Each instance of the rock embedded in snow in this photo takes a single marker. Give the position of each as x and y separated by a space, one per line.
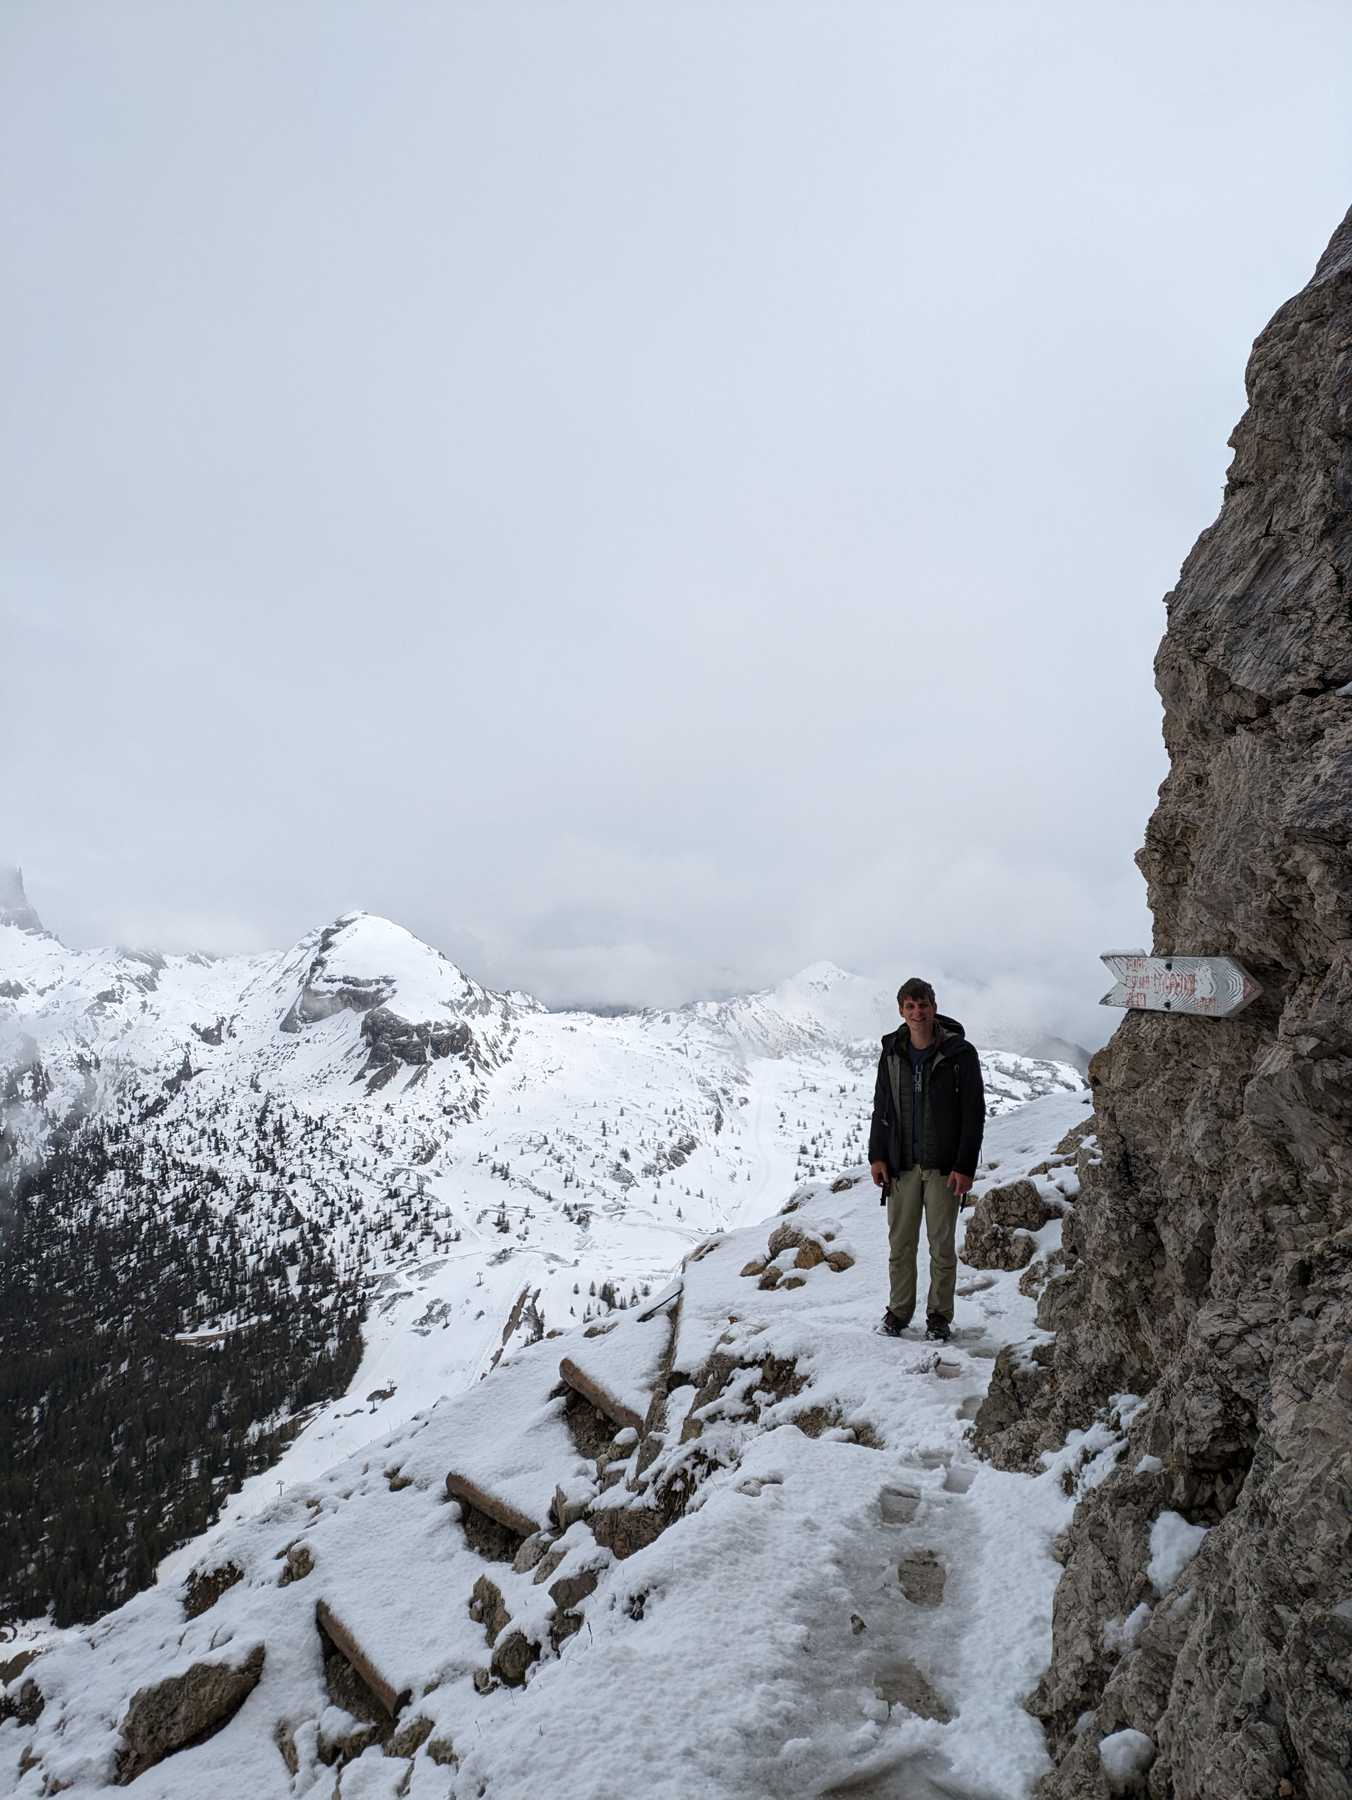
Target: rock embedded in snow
999 1231
184 1709
488 1608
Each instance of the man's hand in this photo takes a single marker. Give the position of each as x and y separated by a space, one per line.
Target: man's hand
878 1171
961 1186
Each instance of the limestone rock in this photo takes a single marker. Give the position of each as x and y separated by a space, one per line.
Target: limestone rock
203 1589
1001 1219
182 1710
26 1703
532 1552
11 1667
410 1737
569 1591
392 1041
512 1657
551 1560
1209 1256
626 1529
300 1562
488 1608
1012 1426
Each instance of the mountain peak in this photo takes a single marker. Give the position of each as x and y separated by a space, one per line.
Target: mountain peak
14 904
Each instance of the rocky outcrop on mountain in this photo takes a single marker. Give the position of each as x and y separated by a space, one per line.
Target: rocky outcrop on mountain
14 904
1203 1625
393 1041
331 986
415 1004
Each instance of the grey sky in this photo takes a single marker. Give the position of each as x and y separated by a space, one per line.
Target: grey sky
647 495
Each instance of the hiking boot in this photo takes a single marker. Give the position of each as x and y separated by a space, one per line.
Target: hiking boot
936 1327
891 1325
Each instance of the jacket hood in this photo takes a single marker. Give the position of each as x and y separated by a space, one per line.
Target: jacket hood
950 1037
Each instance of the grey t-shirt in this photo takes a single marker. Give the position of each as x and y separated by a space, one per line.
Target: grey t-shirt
918 1059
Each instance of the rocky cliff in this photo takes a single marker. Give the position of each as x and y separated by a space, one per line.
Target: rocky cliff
1203 1625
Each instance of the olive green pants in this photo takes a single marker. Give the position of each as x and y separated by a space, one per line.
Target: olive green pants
922 1191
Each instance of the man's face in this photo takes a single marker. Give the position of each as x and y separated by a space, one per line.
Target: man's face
917 1012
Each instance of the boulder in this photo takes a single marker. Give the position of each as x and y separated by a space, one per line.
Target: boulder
569 1591
998 1231
183 1710
203 1588
488 1608
512 1656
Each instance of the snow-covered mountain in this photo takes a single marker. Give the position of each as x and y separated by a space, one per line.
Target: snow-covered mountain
487 1171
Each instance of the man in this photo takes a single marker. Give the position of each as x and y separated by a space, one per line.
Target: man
929 1111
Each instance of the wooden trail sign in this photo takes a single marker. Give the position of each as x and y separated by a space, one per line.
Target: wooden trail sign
1212 987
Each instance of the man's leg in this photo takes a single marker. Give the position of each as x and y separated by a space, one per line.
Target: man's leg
941 1224
905 1203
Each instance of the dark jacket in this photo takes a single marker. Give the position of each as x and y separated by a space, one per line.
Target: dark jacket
952 1098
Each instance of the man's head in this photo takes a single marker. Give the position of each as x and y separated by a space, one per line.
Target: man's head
916 1002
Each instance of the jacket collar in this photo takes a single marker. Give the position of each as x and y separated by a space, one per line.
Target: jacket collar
948 1037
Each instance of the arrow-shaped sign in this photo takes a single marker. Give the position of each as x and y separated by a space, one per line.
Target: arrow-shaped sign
1212 987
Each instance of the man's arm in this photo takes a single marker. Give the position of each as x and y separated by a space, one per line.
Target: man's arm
877 1134
972 1101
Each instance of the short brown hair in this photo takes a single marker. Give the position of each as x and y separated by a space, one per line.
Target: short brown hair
916 989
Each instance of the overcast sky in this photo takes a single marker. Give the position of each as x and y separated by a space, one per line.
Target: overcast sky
647 495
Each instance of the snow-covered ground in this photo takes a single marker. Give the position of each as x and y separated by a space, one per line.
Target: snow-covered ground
794 1580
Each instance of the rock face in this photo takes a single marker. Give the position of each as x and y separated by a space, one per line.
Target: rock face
1210 1267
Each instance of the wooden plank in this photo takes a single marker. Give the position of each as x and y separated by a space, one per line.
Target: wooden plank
601 1398
1207 987
346 1645
460 1487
